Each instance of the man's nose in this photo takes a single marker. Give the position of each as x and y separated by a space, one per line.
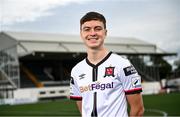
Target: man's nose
93 32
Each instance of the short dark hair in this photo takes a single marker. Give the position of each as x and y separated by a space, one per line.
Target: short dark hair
93 16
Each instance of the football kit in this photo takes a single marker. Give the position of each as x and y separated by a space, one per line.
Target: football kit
103 87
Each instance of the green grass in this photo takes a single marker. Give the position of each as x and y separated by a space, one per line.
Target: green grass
63 107
168 103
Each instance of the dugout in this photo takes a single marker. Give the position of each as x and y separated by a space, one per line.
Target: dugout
45 60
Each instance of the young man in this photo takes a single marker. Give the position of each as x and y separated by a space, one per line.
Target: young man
104 82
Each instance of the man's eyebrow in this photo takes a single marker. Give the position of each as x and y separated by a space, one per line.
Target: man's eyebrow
98 27
91 27
86 27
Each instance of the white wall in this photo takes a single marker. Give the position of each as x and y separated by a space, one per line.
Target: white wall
151 88
32 95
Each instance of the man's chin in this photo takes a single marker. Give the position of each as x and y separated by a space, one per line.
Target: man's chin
94 47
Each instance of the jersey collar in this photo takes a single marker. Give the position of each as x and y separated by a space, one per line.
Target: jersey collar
102 61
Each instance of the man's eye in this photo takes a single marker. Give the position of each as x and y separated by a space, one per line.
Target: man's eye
98 29
86 29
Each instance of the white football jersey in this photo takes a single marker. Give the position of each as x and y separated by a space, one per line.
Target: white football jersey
103 87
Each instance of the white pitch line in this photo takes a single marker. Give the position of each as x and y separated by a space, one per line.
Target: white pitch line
158 111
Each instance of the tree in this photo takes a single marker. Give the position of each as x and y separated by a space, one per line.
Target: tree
177 70
165 68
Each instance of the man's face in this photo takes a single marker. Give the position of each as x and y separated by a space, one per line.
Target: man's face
93 34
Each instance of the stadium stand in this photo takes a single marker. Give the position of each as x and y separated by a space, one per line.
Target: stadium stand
31 60
148 73
31 76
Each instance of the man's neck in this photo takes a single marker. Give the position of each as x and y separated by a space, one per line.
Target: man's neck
95 56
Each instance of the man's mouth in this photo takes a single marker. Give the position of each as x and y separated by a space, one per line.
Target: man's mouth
92 38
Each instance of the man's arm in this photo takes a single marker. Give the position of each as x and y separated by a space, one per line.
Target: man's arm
79 105
136 104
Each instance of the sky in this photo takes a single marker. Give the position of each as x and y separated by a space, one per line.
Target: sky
154 21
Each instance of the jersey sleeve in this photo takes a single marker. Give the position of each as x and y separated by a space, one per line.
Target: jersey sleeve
130 79
74 90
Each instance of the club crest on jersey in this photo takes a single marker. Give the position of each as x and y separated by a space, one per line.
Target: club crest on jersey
109 71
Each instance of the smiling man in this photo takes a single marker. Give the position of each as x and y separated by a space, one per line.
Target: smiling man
104 82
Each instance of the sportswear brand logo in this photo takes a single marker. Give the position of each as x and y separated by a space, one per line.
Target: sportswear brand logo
109 71
96 86
82 76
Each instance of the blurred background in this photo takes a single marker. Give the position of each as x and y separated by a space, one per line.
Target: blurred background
40 43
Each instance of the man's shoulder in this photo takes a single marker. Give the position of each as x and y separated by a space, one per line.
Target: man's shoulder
119 57
79 65
120 60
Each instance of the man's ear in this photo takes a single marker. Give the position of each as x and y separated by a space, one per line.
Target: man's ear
81 34
106 32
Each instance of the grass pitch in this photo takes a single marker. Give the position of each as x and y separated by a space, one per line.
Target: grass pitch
168 103
155 105
62 107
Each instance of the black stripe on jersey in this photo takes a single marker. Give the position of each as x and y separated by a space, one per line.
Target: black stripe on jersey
76 98
94 72
94 112
133 92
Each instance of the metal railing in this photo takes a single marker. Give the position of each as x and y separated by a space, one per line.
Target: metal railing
9 71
